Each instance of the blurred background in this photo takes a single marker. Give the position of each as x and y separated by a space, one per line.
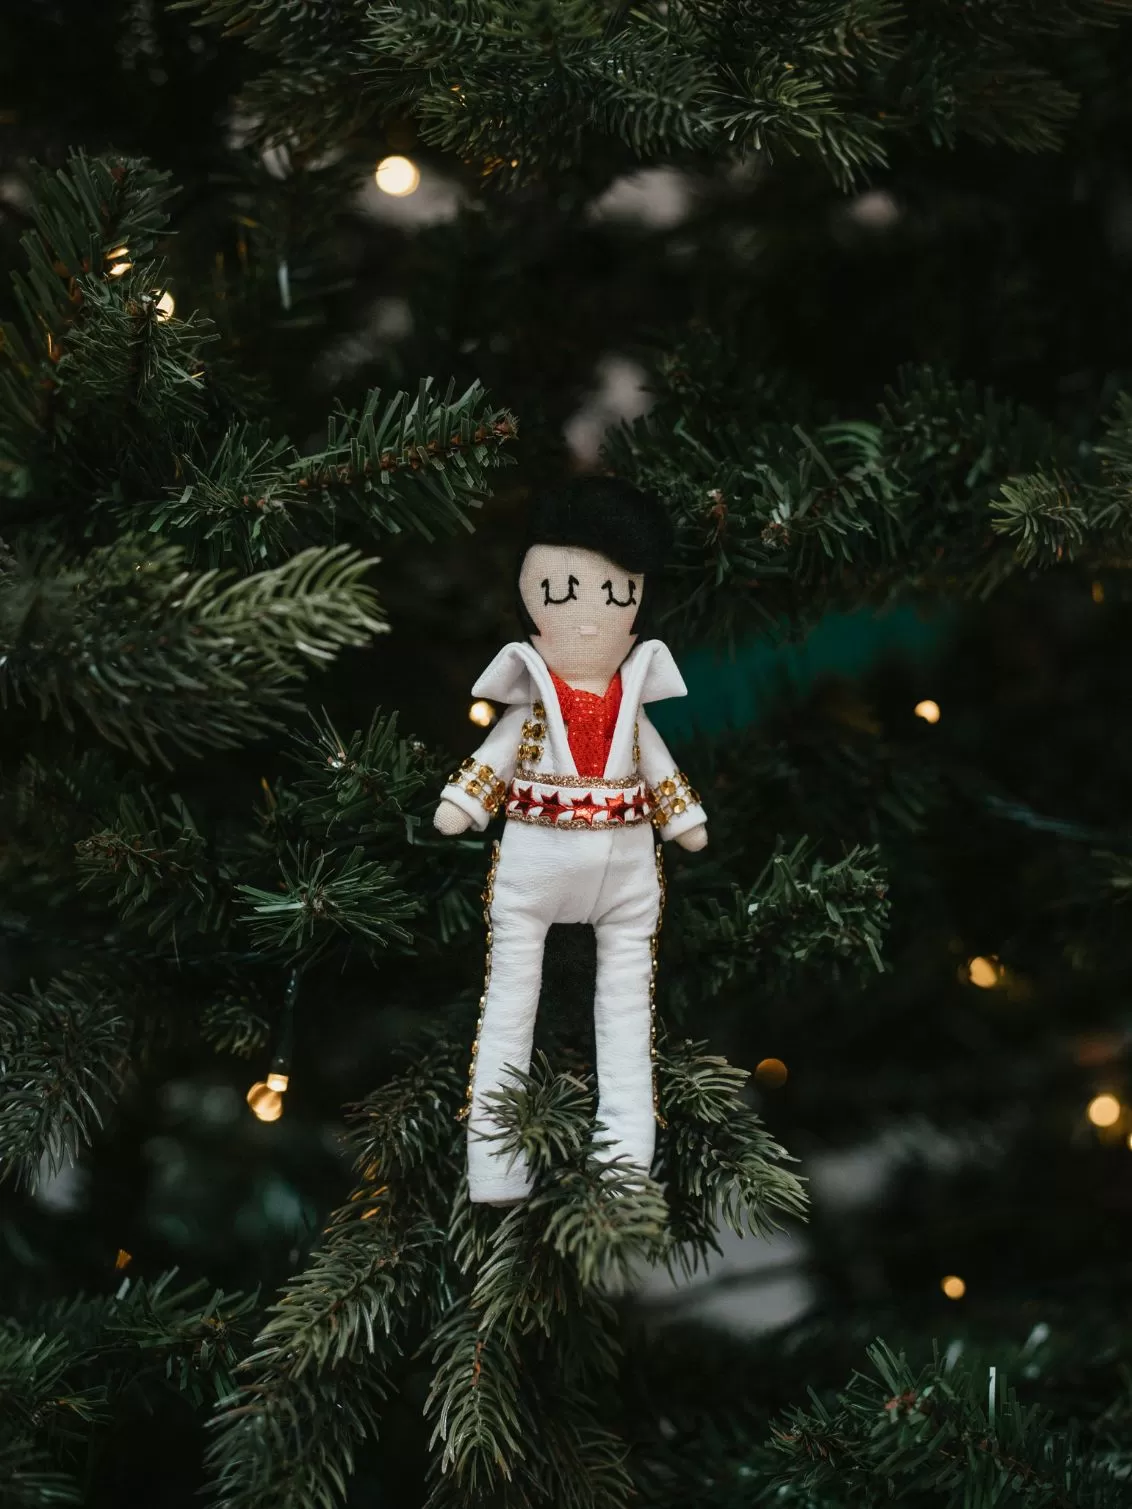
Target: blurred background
964 1116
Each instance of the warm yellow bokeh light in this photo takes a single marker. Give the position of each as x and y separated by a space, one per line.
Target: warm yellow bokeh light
984 971
1098 592
118 269
772 1072
165 306
928 710
124 1259
953 1286
1104 1110
267 1104
482 714
397 176
278 1082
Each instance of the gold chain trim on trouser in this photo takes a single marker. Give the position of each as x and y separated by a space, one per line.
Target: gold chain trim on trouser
654 946
488 894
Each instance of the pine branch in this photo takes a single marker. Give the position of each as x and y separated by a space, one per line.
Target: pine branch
781 521
152 655
940 1431
800 909
716 1157
397 465
524 89
63 1062
156 868
63 1373
410 464
324 896
319 1372
96 369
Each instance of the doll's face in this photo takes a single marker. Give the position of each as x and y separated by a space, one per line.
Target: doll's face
583 607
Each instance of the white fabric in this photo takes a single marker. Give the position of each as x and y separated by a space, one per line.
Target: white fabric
519 676
606 878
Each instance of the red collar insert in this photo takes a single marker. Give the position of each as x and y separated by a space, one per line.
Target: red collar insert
590 721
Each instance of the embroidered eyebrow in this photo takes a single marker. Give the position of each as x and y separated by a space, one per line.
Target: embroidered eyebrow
571 583
616 602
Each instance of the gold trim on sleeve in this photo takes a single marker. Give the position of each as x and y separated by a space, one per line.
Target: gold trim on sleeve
671 797
481 782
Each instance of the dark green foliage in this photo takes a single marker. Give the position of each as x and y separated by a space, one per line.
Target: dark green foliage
883 335
64 1055
60 1384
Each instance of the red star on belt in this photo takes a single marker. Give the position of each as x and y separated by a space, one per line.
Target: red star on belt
583 809
551 805
617 807
524 799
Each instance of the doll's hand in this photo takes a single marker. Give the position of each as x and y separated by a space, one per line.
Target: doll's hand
695 838
450 819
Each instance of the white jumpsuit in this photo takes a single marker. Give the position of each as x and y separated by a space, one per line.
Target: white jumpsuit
556 865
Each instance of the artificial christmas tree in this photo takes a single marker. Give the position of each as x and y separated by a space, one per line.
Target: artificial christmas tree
266 442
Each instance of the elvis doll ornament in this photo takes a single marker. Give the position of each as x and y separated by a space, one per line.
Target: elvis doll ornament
585 783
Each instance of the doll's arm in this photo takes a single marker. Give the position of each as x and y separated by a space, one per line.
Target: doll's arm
678 809
481 782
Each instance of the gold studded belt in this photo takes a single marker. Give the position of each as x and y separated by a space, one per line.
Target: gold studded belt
556 801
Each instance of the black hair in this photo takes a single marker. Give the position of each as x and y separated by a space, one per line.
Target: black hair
610 516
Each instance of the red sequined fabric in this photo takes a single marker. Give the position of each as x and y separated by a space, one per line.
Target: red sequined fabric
590 721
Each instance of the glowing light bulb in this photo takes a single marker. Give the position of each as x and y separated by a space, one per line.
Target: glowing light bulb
953 1286
124 1259
118 269
278 1082
771 1072
397 176
165 306
267 1104
1104 1110
119 251
482 714
984 971
928 710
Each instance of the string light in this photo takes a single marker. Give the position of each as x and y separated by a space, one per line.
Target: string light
953 1286
278 1082
1098 592
928 710
1104 1110
984 971
124 1259
771 1072
266 1104
397 176
118 269
165 306
482 714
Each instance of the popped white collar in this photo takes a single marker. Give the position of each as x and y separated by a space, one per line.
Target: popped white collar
519 674
648 674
